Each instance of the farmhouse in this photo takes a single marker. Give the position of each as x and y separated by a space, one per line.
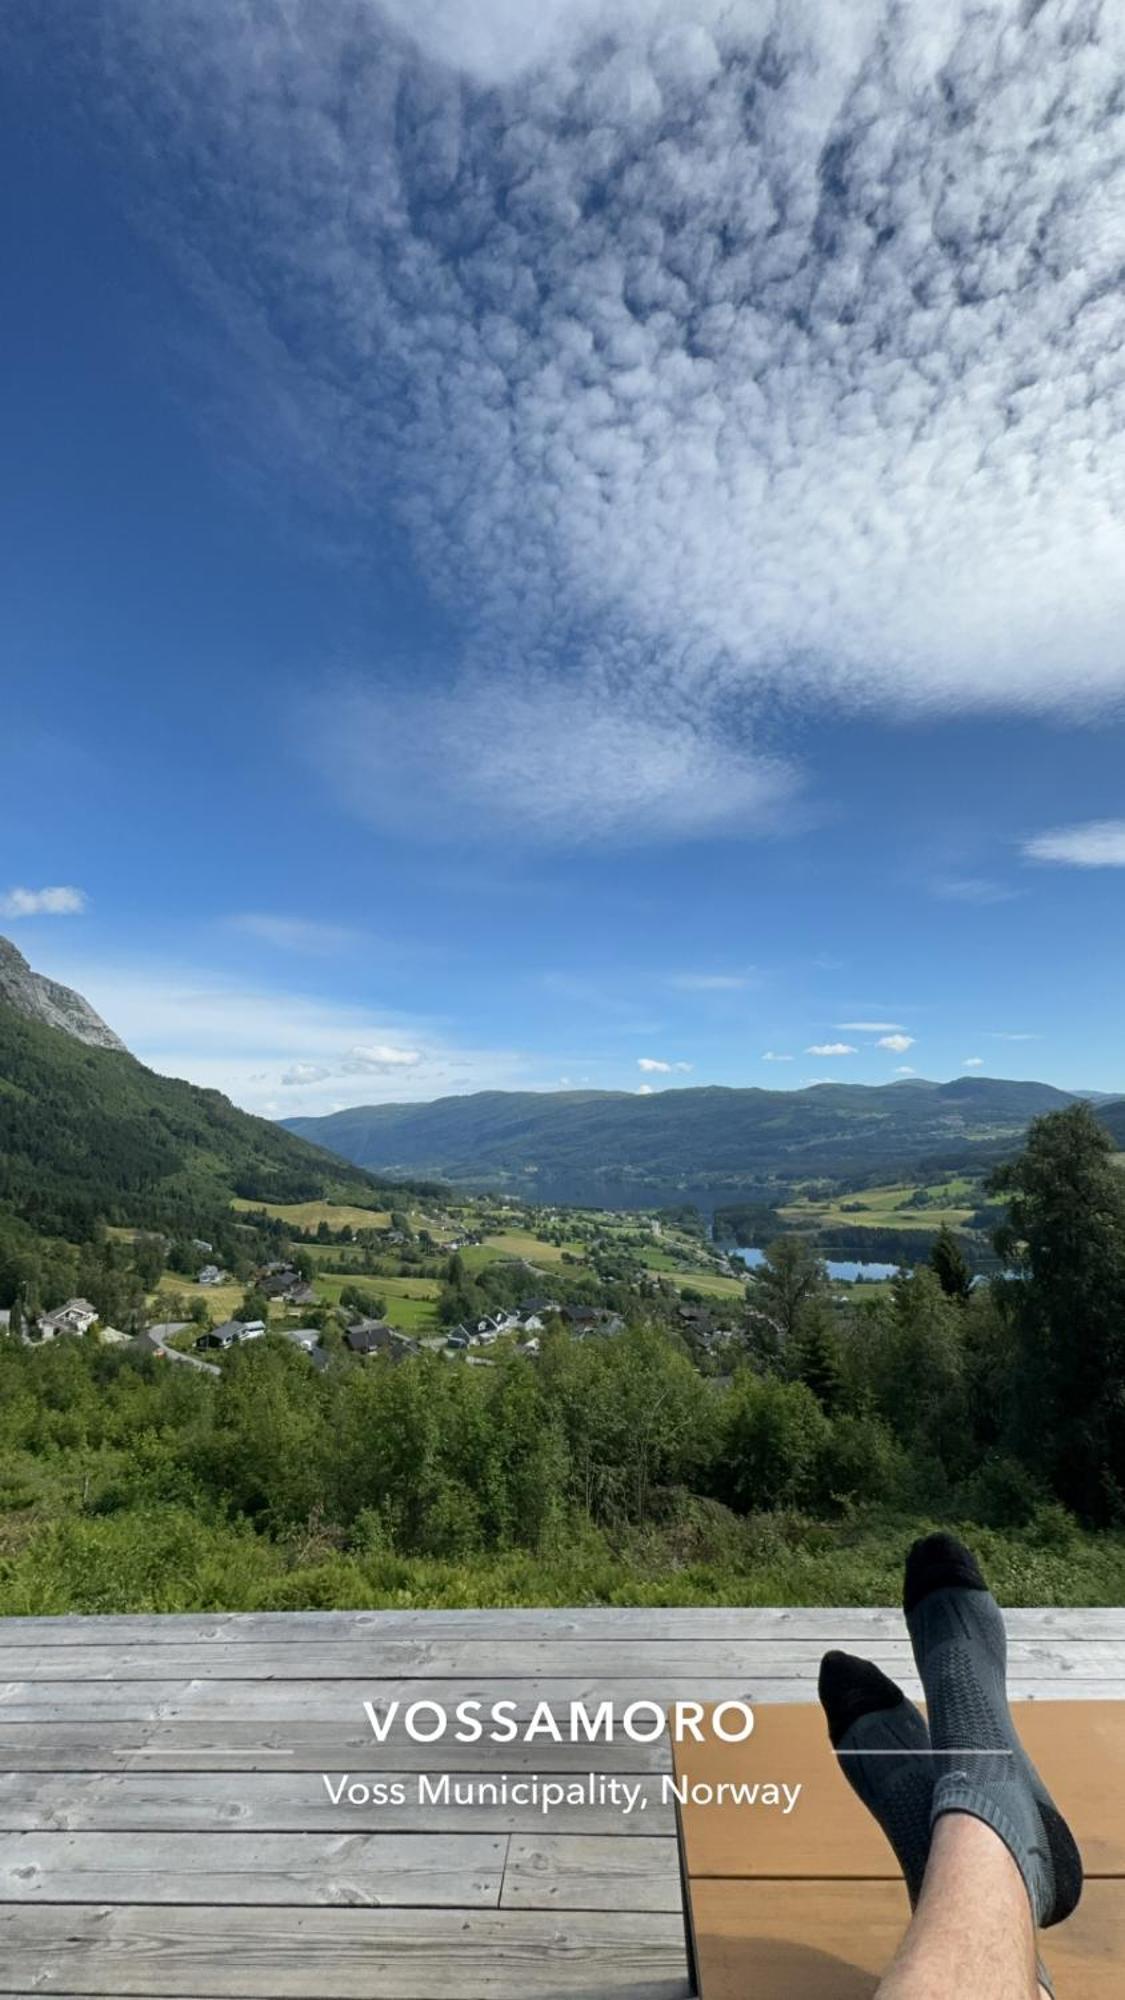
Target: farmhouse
77 1316
232 1333
221 1337
376 1337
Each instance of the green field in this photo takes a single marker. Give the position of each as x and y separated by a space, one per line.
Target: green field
221 1301
887 1208
409 1303
310 1214
518 1243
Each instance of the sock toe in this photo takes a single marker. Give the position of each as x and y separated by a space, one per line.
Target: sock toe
850 1688
939 1562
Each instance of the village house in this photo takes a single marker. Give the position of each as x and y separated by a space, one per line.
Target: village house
232 1333
212 1275
220 1337
77 1316
376 1337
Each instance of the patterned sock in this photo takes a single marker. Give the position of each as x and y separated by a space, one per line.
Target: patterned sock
877 1735
957 1632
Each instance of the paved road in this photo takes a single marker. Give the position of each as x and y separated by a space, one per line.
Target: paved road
158 1338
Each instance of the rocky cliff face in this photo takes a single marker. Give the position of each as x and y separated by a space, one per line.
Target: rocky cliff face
39 999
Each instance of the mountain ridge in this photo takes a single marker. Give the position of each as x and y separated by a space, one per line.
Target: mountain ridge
88 1133
37 998
750 1136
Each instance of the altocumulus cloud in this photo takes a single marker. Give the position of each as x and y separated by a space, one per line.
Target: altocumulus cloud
716 359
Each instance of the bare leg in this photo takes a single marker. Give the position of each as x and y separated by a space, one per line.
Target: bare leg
973 1934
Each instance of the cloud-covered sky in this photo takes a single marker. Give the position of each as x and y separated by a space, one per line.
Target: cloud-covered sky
546 533
718 362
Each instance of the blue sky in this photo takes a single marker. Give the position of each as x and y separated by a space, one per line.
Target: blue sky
591 553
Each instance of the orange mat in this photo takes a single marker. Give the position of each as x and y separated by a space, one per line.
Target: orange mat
794 1894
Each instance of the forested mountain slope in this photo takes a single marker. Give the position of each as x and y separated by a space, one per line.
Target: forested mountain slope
837 1130
88 1131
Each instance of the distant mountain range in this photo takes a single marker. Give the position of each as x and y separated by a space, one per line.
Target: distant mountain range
694 1139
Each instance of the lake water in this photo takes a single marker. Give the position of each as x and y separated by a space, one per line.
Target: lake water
846 1273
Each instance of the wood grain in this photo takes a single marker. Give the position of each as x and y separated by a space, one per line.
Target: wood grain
347 1870
822 1625
227 1954
833 1940
562 1872
1078 1746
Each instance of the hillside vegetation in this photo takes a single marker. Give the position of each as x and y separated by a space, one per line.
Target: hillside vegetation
89 1133
737 1138
611 1469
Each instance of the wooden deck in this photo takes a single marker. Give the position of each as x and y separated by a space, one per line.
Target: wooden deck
166 1828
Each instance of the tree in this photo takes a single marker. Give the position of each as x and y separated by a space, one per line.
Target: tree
950 1265
775 1435
1066 1236
784 1288
255 1305
817 1358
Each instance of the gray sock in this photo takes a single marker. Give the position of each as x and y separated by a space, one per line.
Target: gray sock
877 1735
957 1632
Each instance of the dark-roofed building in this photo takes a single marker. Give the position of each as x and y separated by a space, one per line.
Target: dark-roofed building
376 1337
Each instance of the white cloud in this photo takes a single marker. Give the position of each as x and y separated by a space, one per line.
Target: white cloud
1098 844
774 1055
654 1066
716 362
904 1069
871 1027
297 934
711 982
574 762
300 1073
978 889
60 902
383 1056
973 1062
831 1049
1002 1035
644 1090
285 1050
898 1043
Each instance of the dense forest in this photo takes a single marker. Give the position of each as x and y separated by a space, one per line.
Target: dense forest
613 1468
753 1142
89 1133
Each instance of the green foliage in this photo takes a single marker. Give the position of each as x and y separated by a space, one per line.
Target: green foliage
611 1467
950 1265
1067 1230
775 1439
88 1135
748 1141
786 1288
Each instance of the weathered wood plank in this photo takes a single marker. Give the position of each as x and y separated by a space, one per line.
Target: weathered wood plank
269 1802
225 1954
821 1625
342 1701
299 1744
567 1872
349 1870
473 1659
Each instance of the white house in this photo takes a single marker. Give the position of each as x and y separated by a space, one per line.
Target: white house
77 1316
